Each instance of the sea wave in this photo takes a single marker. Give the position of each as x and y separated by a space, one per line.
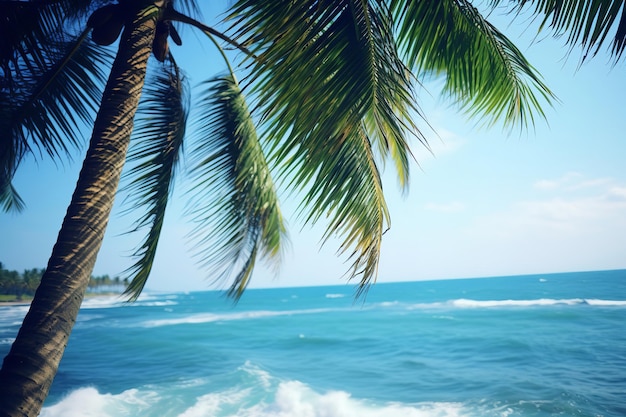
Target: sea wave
113 301
259 399
619 303
294 398
102 301
244 315
465 303
335 295
156 303
88 402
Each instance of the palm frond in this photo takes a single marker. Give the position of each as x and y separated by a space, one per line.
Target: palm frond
483 69
389 115
344 189
337 98
30 28
10 200
158 141
234 202
189 7
45 105
588 23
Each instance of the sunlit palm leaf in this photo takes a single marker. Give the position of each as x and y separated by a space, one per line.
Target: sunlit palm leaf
483 69
331 86
161 122
345 190
588 23
234 202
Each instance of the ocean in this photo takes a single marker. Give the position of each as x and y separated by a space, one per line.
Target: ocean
535 345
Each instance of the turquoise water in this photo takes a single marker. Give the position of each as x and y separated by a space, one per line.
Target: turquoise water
540 345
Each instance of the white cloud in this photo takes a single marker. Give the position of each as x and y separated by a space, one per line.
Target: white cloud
594 183
603 204
573 181
616 193
568 232
440 142
551 184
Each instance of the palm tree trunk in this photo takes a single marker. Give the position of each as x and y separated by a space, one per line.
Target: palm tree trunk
29 368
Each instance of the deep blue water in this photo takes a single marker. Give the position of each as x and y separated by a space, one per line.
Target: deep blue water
540 345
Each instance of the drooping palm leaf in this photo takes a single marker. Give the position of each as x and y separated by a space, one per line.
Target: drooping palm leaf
588 23
10 199
234 204
44 106
345 190
158 141
337 98
30 30
483 69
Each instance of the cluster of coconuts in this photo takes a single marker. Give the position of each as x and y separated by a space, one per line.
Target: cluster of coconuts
107 23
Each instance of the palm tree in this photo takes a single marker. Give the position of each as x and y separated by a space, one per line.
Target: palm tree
330 99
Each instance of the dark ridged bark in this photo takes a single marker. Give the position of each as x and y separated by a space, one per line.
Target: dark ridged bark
29 368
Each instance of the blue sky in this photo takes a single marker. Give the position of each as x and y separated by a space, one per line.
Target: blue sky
488 203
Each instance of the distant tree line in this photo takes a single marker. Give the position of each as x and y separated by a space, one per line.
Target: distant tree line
24 284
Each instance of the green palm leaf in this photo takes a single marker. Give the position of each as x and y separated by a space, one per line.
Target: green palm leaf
587 23
29 29
483 69
345 190
44 106
234 202
336 98
10 199
161 122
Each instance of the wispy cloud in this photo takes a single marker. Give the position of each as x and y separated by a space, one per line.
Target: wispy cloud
552 184
564 208
573 181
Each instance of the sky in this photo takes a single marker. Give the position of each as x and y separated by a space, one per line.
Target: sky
486 202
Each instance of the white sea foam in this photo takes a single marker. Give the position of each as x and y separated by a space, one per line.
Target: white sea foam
335 295
618 303
88 317
12 315
465 303
88 402
389 303
293 398
250 392
114 301
212 404
265 399
102 302
245 315
546 302
156 303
